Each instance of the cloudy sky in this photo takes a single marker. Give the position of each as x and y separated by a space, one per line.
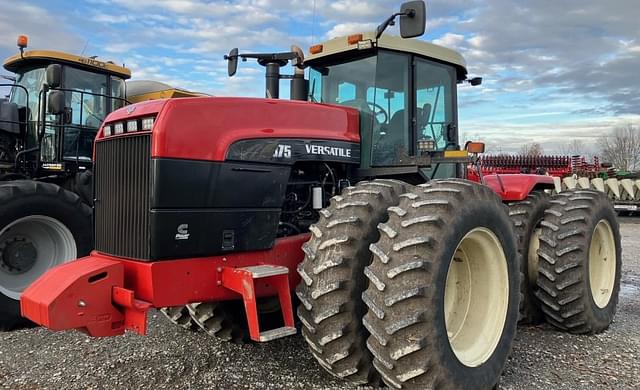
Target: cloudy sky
554 71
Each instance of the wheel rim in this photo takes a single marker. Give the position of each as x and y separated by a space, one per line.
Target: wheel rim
602 264
532 263
476 297
28 247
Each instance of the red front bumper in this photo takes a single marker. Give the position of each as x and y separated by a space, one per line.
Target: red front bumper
103 296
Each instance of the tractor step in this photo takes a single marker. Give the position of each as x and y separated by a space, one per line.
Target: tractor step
242 281
277 333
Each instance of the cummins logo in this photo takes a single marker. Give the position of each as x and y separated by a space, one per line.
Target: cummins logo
183 232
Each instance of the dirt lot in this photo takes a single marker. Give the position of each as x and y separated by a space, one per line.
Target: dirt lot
172 358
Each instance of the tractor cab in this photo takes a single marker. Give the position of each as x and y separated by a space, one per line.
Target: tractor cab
404 89
54 108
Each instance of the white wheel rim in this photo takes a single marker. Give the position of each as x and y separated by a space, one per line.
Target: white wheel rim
602 264
53 244
532 263
476 297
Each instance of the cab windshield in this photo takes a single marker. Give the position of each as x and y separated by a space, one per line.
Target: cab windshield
400 105
31 81
86 95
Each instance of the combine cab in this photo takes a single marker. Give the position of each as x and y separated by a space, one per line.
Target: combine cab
406 272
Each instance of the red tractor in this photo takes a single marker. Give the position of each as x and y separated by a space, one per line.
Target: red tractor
404 271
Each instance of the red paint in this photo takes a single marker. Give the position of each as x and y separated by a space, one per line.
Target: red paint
515 187
243 283
119 301
203 128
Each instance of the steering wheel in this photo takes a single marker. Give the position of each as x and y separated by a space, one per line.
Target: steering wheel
377 111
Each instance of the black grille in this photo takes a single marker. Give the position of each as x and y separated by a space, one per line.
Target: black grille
122 196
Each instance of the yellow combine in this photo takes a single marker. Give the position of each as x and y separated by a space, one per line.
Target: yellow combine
55 106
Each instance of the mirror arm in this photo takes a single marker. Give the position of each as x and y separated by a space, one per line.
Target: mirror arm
391 21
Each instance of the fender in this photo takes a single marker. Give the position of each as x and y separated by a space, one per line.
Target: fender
516 187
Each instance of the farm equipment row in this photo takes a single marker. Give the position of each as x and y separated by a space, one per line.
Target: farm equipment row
570 173
356 198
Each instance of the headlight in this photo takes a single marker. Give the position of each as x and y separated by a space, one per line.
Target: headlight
147 123
132 126
107 130
118 128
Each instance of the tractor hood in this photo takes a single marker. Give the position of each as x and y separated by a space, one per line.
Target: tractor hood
182 126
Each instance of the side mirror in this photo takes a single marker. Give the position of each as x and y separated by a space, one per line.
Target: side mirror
475 147
54 75
413 19
55 102
232 66
475 81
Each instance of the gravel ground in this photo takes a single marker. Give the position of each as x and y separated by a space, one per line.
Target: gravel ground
169 357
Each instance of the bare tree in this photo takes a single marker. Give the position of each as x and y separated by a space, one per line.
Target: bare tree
574 148
531 149
622 147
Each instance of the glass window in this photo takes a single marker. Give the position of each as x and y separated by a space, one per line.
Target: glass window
377 86
389 100
118 92
88 109
435 84
32 80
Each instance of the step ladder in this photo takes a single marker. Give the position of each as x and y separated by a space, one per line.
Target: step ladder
241 280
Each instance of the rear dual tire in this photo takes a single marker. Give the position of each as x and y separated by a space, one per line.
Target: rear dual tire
579 262
444 289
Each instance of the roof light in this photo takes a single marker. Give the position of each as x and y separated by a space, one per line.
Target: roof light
147 123
315 49
107 130
23 40
132 126
353 39
118 128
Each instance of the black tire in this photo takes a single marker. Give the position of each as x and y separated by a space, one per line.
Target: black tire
409 273
179 315
23 198
228 320
224 320
333 279
564 282
526 216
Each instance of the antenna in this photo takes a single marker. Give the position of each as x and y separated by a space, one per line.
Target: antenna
86 43
313 23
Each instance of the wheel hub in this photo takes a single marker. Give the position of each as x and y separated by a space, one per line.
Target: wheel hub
476 297
18 255
602 264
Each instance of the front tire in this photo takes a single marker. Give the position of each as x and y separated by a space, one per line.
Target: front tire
580 262
333 278
41 225
444 292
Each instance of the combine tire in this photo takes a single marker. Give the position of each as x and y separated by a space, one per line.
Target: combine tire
580 262
179 315
41 225
333 279
526 216
444 289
